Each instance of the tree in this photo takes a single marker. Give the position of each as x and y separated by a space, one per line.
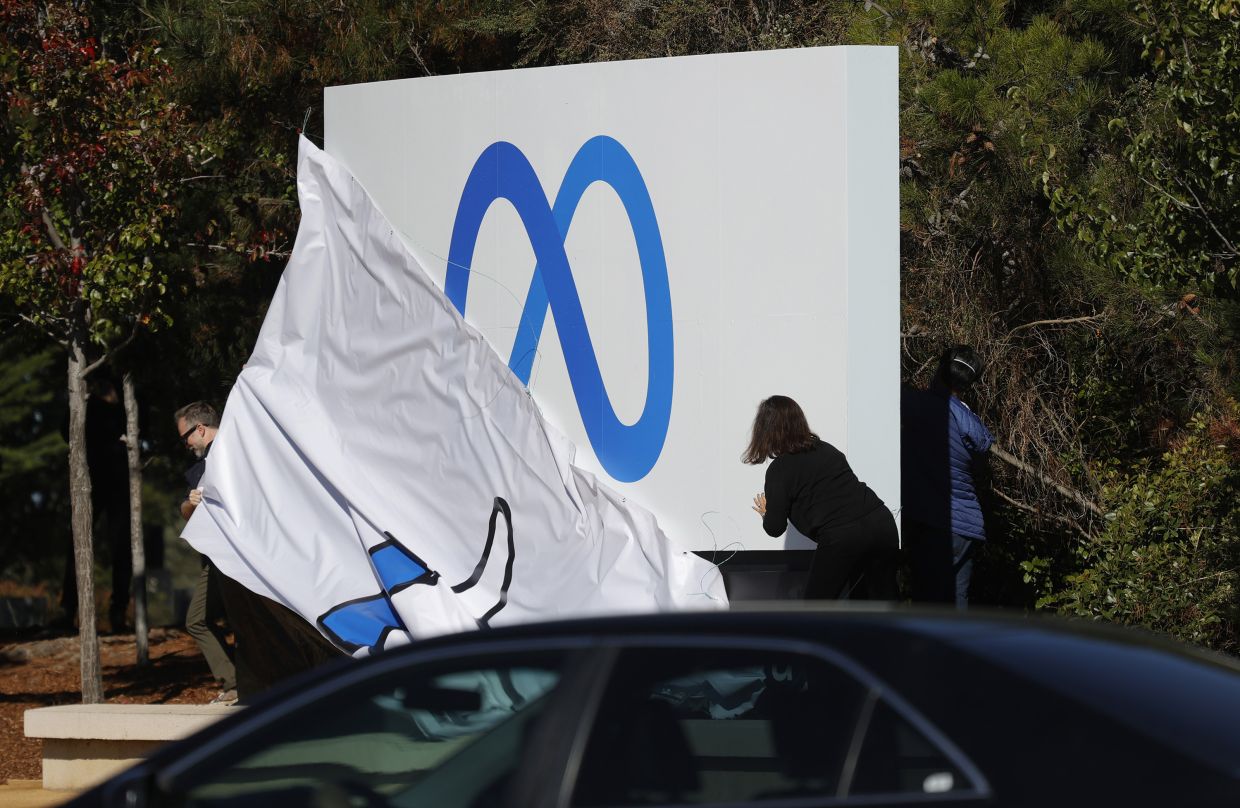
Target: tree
1162 203
95 151
137 545
253 71
1095 370
1169 558
550 32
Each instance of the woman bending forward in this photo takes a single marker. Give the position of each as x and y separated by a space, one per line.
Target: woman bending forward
810 484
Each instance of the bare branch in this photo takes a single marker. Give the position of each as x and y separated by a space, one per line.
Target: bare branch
1030 509
1179 202
52 232
1075 496
416 51
1061 321
49 333
1202 210
870 4
112 352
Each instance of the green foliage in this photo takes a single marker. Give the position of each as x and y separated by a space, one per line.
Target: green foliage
1169 558
254 71
1143 370
257 70
551 32
1006 112
1161 203
94 150
968 23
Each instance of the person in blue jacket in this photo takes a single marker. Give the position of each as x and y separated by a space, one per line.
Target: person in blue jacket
943 450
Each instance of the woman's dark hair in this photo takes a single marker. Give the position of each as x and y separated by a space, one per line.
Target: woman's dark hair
959 367
779 428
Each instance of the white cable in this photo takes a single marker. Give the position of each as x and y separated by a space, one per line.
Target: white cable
716 566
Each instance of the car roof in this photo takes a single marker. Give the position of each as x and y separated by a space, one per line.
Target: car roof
809 618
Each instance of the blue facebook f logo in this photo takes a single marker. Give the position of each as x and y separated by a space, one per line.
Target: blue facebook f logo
366 622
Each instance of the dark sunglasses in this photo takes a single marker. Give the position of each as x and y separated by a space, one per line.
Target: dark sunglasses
185 435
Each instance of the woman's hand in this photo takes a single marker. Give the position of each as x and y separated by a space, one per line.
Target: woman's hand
759 504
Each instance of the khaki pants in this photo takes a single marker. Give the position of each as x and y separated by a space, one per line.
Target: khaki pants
205 608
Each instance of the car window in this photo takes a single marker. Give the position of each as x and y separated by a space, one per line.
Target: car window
710 726
897 758
450 736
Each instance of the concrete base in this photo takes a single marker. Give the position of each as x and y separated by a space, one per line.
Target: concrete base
73 763
31 794
85 744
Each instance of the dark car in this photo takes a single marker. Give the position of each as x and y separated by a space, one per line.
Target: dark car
780 708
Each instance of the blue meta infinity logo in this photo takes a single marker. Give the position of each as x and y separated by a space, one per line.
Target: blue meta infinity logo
626 451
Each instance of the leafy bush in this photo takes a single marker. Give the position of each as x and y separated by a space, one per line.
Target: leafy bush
1169 559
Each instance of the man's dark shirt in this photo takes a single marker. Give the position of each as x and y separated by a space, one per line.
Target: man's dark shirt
193 475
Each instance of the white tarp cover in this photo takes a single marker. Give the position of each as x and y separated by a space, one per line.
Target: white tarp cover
381 471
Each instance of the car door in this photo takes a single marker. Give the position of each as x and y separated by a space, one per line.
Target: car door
750 721
453 729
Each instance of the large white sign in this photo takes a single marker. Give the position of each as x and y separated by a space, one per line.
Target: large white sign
656 246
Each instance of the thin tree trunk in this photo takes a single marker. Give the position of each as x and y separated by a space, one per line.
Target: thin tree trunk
135 519
83 523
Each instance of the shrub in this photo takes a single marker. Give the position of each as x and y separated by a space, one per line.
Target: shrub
1169 559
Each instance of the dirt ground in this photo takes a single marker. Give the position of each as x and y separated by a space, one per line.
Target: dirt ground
41 670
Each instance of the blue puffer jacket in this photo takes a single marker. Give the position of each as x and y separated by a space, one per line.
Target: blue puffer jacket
937 479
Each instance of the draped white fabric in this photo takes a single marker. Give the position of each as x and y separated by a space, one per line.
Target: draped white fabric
382 472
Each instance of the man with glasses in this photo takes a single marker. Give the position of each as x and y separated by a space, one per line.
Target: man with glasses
271 642
197 424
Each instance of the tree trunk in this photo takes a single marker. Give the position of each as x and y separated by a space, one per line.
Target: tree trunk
83 523
135 519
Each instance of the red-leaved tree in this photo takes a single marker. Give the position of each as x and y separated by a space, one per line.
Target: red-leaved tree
95 154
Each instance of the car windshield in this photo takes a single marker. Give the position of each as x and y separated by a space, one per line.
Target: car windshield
446 739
